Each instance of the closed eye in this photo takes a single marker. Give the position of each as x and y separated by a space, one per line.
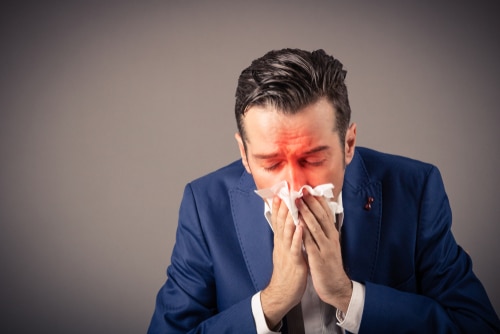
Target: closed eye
272 167
313 162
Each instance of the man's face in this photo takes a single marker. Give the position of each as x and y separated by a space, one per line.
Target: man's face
301 148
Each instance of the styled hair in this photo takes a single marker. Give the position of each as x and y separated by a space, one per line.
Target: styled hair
291 79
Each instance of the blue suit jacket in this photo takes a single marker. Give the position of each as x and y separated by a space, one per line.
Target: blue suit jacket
417 278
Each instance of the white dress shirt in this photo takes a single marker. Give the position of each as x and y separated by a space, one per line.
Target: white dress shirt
318 316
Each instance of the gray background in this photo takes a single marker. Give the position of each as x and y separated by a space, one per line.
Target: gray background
107 109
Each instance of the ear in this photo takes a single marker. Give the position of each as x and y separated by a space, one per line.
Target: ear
350 143
243 153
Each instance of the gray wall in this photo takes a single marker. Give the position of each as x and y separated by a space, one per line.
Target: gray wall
107 110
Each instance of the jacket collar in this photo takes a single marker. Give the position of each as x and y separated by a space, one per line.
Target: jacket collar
254 233
362 199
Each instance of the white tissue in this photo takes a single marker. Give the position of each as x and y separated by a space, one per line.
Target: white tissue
281 190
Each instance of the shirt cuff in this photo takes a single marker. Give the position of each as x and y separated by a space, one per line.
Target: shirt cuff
352 319
258 316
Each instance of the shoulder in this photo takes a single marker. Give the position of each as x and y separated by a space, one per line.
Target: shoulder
375 166
376 161
222 180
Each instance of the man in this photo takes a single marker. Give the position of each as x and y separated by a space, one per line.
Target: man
381 259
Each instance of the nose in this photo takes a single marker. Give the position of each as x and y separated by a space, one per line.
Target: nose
296 178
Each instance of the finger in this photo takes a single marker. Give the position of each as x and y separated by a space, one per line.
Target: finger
296 245
312 223
328 224
280 212
274 213
288 230
319 207
310 244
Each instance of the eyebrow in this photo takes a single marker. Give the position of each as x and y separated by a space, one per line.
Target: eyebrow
265 156
317 149
274 155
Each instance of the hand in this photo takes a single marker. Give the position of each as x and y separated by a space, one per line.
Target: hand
322 243
289 277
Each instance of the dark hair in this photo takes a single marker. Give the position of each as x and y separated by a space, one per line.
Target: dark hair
291 79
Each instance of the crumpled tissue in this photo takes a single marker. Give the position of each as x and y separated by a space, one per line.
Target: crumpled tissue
282 191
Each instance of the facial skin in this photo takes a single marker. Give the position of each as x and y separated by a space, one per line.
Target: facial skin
302 148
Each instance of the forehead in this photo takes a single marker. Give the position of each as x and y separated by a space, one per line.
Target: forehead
266 127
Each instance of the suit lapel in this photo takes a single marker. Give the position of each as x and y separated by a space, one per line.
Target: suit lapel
254 234
361 228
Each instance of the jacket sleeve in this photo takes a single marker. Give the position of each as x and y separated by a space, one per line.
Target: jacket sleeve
187 302
449 298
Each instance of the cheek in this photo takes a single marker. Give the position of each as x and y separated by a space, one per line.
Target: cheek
334 174
337 178
322 177
265 180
